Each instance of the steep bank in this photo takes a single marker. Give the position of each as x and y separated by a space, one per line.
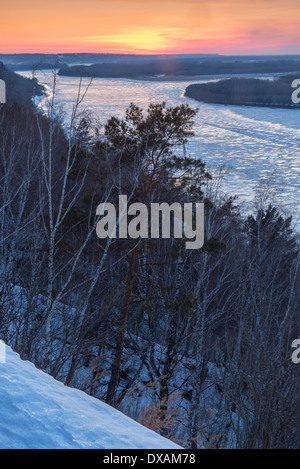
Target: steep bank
19 89
38 412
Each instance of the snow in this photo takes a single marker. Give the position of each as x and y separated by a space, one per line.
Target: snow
39 412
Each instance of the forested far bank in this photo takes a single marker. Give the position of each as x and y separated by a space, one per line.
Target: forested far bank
182 67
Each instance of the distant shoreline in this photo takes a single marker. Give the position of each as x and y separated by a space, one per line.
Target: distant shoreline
206 77
182 70
182 78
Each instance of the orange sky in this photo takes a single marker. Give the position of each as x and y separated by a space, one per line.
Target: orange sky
156 26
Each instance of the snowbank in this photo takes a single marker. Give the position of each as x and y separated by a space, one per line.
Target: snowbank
38 412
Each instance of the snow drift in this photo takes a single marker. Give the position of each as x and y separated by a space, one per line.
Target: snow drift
39 412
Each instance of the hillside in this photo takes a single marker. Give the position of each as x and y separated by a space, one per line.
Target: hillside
18 88
38 412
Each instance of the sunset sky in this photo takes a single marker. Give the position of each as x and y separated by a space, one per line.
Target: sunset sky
156 26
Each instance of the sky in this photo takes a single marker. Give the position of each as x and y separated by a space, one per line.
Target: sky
151 26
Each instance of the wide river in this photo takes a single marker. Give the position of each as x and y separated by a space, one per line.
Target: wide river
258 147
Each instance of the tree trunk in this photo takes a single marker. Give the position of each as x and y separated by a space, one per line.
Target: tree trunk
116 365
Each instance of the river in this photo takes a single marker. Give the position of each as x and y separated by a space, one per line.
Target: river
257 146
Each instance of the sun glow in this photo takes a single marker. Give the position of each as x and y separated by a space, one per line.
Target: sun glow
145 39
151 26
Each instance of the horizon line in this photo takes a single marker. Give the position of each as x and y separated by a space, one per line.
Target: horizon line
153 54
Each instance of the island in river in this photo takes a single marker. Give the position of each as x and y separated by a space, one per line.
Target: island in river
249 91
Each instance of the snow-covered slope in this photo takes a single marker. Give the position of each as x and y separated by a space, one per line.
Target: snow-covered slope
36 411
